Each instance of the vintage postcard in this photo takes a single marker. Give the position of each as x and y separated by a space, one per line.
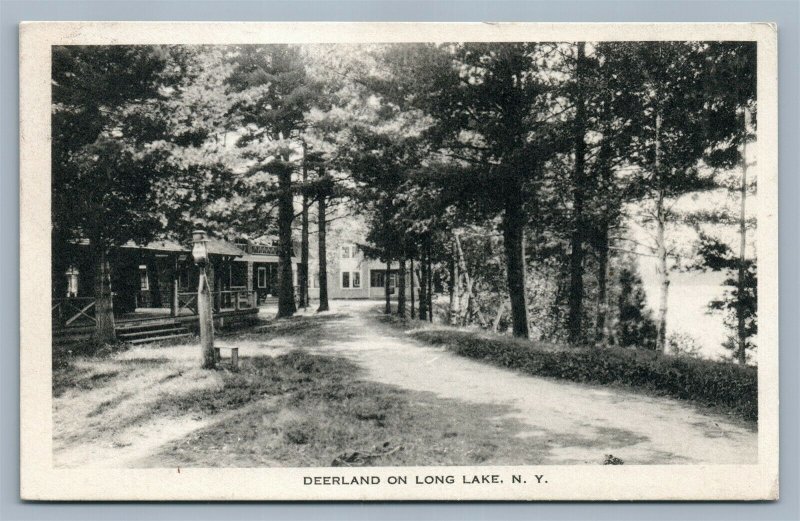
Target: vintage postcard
398 261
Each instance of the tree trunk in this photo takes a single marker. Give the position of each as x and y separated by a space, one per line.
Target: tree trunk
663 277
401 289
661 247
430 283
302 275
323 255
575 318
500 309
466 296
104 305
423 287
387 288
609 213
411 286
741 352
602 285
286 303
453 284
514 246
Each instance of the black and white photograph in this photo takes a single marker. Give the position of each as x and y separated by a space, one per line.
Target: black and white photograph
434 269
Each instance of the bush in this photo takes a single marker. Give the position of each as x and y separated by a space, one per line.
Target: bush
717 384
682 344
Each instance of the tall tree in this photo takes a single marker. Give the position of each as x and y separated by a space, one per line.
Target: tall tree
731 83
493 112
302 275
108 121
673 138
273 92
578 200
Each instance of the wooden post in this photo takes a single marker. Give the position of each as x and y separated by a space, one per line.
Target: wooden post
206 322
235 358
386 288
204 306
174 305
411 273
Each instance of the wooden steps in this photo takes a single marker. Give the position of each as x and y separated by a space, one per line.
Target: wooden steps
151 330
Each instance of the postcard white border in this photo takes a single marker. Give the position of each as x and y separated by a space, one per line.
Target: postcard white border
40 480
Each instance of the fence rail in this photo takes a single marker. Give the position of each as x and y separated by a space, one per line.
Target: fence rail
261 249
66 311
226 300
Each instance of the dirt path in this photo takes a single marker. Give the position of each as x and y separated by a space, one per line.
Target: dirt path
581 423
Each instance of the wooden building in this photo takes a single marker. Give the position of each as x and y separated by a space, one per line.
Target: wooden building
353 276
160 278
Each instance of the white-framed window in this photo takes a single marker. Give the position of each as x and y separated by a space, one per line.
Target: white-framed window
348 251
351 279
262 277
144 281
72 281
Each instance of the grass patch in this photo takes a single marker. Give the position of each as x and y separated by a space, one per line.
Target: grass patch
727 387
321 414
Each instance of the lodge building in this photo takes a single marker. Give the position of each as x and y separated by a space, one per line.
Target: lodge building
160 278
351 275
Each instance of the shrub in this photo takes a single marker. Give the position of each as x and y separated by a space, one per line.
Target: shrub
682 344
717 384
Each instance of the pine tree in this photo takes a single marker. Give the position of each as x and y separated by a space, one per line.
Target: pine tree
273 92
108 122
635 326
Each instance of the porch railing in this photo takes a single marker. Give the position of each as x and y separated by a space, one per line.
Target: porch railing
66 311
225 300
261 249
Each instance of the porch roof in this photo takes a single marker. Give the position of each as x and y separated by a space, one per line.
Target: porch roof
215 247
221 247
162 245
274 259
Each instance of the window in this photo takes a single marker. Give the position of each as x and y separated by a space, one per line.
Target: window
183 277
351 279
348 251
144 283
313 282
376 279
72 281
262 277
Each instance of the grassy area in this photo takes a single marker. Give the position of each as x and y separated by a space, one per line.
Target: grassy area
284 407
321 414
723 386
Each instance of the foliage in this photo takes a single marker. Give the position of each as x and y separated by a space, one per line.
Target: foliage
682 344
715 255
107 126
540 156
635 326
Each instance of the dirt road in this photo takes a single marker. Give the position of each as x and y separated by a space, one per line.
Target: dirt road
581 423
123 411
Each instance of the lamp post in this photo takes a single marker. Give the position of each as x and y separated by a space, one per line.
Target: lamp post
200 254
